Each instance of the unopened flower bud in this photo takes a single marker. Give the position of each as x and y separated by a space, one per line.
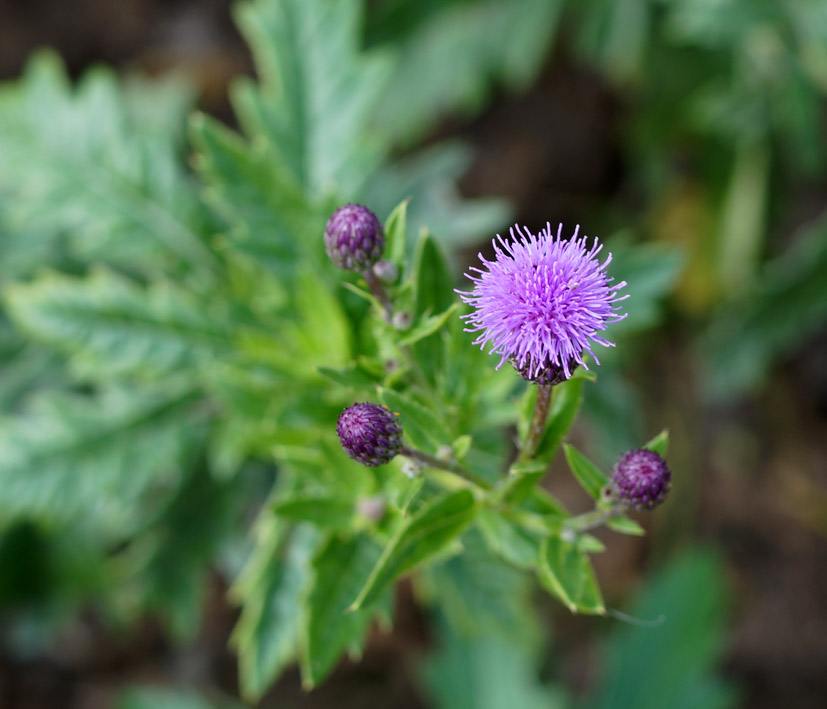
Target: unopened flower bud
402 320
640 479
371 434
386 271
354 238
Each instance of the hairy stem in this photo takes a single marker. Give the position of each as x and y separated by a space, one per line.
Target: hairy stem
538 423
431 461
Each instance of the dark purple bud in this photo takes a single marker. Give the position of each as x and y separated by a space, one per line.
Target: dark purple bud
548 373
354 238
640 479
370 433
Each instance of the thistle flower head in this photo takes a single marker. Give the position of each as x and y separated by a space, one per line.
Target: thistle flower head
542 302
640 479
354 238
371 434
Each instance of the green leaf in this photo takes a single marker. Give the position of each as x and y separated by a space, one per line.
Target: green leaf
396 233
83 162
461 446
420 425
422 537
339 570
590 477
479 594
432 278
427 326
509 541
168 561
90 461
787 303
568 574
270 590
683 651
270 220
659 444
112 327
316 91
476 40
624 525
408 493
324 512
352 376
487 671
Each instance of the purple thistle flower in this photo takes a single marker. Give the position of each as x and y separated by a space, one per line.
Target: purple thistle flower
371 434
640 479
542 303
354 238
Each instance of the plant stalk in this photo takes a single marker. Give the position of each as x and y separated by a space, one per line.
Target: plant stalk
538 424
450 466
378 290
595 518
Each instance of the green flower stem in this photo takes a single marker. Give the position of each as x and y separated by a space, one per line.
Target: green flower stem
596 518
538 424
379 292
431 461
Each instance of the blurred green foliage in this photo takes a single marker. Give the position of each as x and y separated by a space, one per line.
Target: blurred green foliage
172 333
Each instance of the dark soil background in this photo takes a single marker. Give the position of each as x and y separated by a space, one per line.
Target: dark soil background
757 469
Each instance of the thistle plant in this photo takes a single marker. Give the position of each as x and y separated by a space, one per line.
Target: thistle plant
541 304
191 357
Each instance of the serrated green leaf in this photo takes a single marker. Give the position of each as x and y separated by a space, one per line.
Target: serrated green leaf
659 444
568 574
89 460
270 589
316 91
339 571
423 536
81 161
108 324
269 218
590 477
324 512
